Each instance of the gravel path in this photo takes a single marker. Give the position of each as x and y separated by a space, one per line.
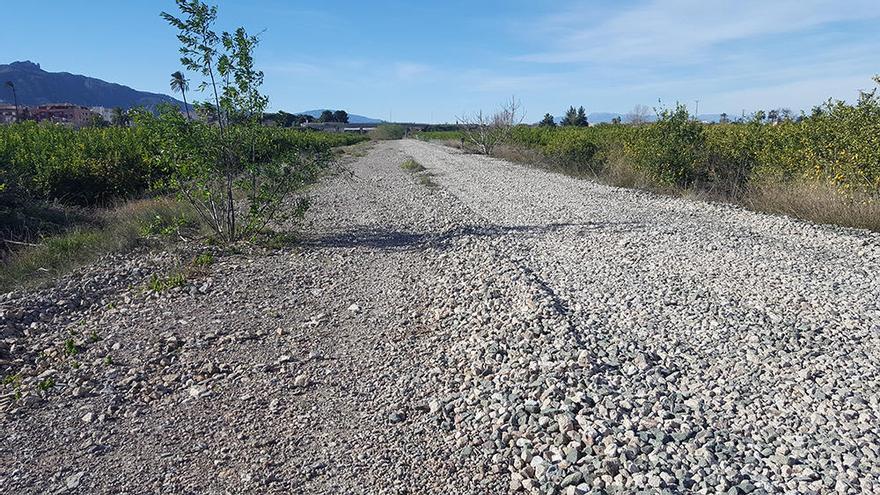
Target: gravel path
479 327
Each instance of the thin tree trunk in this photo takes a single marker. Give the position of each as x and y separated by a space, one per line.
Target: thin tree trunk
185 106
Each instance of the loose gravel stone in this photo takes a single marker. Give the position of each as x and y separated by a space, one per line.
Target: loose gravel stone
514 330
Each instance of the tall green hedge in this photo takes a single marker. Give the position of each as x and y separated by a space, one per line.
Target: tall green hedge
94 165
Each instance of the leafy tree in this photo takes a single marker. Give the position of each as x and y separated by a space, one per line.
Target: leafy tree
179 84
96 120
340 116
120 117
724 119
209 167
547 121
616 121
570 117
326 116
575 117
581 120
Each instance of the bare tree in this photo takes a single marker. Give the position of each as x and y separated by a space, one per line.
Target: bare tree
638 115
485 132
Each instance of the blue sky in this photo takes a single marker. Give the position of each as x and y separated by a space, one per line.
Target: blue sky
422 61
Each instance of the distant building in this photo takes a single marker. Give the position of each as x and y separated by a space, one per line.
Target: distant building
63 113
104 112
7 114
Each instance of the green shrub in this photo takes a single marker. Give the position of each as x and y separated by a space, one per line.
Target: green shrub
412 166
672 150
388 132
203 260
92 166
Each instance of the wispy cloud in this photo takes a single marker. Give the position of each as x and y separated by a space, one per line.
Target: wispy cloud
681 31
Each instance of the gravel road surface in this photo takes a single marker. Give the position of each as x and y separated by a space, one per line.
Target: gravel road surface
476 327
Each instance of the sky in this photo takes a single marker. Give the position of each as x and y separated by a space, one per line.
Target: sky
427 61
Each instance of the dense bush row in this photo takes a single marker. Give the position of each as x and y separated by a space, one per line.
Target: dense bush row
95 165
839 145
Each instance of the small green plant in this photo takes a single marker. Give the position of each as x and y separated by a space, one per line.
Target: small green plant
159 284
276 240
94 337
163 226
427 180
70 347
14 380
74 364
203 260
46 384
108 361
412 166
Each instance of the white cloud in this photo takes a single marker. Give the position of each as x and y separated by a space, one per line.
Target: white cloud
683 30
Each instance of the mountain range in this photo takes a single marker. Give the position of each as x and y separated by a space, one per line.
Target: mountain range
34 86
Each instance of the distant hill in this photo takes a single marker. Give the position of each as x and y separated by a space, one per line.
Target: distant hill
352 118
35 86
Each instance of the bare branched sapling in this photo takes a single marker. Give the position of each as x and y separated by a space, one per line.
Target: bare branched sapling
485 132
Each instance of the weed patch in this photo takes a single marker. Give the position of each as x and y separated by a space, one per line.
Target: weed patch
159 284
412 166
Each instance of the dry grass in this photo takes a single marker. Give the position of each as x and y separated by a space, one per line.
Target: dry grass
117 229
352 151
817 203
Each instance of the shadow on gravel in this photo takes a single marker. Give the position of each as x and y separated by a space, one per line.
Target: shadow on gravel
394 240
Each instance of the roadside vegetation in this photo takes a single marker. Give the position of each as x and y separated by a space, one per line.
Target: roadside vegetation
823 167
68 195
420 173
385 132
